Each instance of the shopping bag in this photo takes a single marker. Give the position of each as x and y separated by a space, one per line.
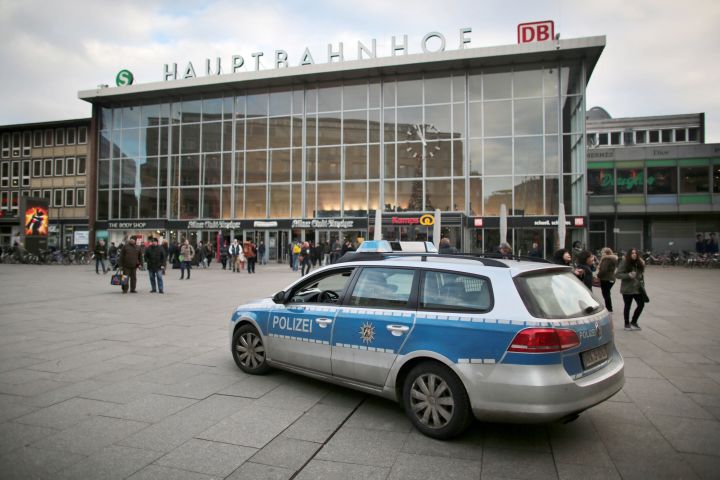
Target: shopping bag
118 279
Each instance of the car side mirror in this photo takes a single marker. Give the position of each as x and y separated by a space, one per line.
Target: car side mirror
279 297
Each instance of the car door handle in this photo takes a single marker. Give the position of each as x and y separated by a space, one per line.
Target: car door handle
323 322
397 330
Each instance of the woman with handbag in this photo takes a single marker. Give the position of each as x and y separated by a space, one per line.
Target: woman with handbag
632 287
606 274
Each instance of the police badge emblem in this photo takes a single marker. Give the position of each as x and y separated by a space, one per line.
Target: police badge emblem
367 332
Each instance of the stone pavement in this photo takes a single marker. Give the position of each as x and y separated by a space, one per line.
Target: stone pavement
96 384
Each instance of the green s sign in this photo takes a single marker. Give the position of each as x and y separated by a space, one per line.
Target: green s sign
123 78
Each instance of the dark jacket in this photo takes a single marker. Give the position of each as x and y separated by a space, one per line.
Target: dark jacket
631 286
100 251
607 267
447 250
130 256
155 258
587 275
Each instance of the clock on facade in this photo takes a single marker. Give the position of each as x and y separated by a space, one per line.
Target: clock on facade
423 133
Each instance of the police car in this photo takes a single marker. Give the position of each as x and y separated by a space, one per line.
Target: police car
448 336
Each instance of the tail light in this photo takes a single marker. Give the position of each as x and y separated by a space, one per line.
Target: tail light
544 340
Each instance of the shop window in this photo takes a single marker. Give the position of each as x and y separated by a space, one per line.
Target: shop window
680 134
641 136
60 136
37 168
48 138
667 136
37 138
80 167
59 166
48 167
694 180
654 136
82 135
629 180
70 166
693 134
601 181
602 139
615 138
57 198
661 180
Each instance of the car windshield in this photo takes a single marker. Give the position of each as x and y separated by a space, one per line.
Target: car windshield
556 295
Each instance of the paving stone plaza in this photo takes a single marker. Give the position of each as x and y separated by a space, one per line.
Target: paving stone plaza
96 384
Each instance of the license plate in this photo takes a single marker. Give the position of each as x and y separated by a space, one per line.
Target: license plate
594 357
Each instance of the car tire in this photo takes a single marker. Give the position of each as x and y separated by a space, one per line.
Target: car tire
248 350
436 402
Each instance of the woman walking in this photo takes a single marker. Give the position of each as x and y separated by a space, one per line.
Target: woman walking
606 274
584 269
631 272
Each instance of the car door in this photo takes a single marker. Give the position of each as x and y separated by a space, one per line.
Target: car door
370 328
299 331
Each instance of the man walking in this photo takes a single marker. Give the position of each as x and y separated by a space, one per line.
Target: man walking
156 260
100 256
130 259
234 251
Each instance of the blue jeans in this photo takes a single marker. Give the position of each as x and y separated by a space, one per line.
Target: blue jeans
99 261
295 262
156 275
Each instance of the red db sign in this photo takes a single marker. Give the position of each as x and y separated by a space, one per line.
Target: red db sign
536 31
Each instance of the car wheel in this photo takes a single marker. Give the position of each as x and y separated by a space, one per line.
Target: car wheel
435 400
249 350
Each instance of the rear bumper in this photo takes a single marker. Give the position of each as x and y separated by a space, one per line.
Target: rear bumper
543 393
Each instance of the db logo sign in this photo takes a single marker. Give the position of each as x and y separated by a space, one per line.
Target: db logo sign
427 220
124 77
536 31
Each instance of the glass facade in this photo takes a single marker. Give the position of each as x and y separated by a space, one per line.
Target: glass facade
462 141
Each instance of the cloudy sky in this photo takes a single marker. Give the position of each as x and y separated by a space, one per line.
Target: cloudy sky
662 56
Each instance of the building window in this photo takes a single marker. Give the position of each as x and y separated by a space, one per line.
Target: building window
25 193
47 194
591 140
601 181
80 198
80 168
27 143
4 174
628 138
37 168
641 136
16 143
70 166
4 200
36 193
694 180
26 173
667 136
37 138
6 145
57 198
59 167
716 178
14 200
48 138
15 173
693 134
603 138
70 136
654 136
661 180
69 197
82 135
60 136
48 167
615 138
680 135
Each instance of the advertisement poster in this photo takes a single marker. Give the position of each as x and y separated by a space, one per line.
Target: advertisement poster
36 220
34 223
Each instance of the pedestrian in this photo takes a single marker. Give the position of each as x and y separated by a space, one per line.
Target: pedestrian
535 250
100 251
224 254
446 248
250 252
200 258
326 252
631 273
586 261
209 253
296 248
335 250
187 253
130 260
112 255
304 258
233 252
261 253
576 249
505 250
711 247
606 274
562 257
156 260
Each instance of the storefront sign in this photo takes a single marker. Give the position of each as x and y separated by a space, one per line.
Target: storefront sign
265 224
432 42
340 224
528 222
134 225
213 224
536 31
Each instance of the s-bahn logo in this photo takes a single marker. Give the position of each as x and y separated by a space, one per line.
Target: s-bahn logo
427 220
124 78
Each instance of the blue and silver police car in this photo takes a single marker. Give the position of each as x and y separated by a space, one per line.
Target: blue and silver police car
448 336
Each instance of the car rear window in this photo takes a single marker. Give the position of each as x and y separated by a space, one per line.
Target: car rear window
556 295
455 292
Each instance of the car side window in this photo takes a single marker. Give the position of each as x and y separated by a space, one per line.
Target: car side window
456 292
383 288
324 288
